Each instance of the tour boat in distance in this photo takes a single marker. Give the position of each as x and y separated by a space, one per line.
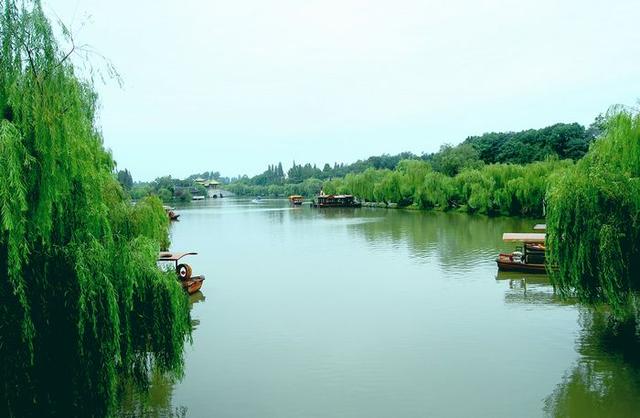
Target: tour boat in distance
296 199
336 201
191 284
528 258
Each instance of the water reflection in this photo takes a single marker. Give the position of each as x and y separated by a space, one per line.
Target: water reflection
196 298
529 289
155 400
457 240
605 381
413 317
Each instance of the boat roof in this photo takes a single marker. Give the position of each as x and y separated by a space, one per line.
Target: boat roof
336 196
294 196
540 227
169 256
523 237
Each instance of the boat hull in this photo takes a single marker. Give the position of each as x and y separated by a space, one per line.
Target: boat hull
337 205
521 267
193 284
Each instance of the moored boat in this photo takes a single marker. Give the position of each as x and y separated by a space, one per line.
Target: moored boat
296 199
529 258
336 201
171 213
191 284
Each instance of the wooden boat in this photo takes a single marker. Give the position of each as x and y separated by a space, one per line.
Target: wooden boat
296 199
527 259
191 284
336 201
171 213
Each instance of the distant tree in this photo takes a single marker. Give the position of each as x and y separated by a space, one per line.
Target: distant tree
183 195
562 139
125 179
165 195
597 127
452 160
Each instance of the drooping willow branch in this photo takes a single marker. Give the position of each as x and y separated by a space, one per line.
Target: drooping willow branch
83 301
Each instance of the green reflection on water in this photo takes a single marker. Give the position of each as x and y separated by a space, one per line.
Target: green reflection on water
371 312
605 381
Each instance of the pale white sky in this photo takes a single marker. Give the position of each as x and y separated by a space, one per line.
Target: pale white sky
233 86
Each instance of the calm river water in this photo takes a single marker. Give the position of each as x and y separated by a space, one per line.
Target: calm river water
378 313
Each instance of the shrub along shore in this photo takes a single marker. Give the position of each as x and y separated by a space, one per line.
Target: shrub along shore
494 189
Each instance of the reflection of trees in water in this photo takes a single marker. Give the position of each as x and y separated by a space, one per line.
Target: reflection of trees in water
152 401
153 398
458 240
605 382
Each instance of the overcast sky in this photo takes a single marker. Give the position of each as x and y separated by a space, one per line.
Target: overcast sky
233 85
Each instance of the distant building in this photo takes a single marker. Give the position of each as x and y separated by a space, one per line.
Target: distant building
211 186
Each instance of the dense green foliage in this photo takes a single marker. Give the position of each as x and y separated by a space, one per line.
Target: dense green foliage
82 299
306 179
169 189
452 160
125 179
593 221
561 140
493 189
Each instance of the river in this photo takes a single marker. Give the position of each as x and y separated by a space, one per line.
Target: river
378 313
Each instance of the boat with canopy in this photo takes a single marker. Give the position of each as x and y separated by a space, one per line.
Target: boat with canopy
528 258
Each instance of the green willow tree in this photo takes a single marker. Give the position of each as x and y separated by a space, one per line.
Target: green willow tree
82 301
593 220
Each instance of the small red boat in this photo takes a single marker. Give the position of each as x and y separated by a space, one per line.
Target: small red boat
529 258
189 283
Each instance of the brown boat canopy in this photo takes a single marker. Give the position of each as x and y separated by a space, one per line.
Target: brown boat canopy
167 256
523 237
540 227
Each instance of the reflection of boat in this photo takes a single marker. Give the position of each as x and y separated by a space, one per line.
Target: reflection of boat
171 213
530 278
189 283
529 258
336 201
196 297
296 199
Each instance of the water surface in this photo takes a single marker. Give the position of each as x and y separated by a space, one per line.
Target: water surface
378 313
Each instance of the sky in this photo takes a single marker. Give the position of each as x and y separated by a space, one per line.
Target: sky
233 86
